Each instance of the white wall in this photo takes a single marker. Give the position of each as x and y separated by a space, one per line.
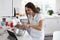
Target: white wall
58 6
17 5
5 7
43 4
52 25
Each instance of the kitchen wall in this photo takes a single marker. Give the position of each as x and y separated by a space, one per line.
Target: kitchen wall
58 6
43 5
17 3
18 6
6 8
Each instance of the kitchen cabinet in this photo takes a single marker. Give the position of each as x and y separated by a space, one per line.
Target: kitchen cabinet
58 21
51 25
4 36
6 8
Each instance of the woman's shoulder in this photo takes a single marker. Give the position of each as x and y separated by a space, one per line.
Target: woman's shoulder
40 15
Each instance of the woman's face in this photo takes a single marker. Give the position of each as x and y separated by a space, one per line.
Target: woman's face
29 10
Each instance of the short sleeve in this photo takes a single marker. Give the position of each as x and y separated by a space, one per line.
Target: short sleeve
40 17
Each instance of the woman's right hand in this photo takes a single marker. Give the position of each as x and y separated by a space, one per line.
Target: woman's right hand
18 25
22 26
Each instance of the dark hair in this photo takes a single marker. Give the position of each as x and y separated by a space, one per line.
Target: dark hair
38 8
32 6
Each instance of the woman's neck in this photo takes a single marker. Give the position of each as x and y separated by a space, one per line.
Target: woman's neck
33 14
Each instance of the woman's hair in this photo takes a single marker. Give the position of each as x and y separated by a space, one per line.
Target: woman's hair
38 8
32 6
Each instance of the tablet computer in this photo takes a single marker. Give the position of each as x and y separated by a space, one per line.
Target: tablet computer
12 34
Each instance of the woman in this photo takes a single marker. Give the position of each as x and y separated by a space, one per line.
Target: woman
35 22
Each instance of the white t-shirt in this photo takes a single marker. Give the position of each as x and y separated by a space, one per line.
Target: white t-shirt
36 34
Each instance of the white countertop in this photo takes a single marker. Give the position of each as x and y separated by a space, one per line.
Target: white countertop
48 16
26 36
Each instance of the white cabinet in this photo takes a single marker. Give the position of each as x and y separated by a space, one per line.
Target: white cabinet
51 25
58 23
6 8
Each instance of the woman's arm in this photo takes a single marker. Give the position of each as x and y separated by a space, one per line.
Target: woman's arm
37 27
18 25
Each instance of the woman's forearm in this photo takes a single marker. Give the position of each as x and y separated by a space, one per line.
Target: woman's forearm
18 26
39 26
36 27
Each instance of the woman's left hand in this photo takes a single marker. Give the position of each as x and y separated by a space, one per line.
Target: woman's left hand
26 25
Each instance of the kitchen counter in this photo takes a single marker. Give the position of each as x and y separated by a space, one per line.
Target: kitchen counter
25 37
48 17
4 36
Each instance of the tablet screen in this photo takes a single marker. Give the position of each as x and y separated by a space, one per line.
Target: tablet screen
12 34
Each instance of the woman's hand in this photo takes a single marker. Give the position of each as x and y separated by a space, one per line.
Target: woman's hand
26 25
18 25
23 26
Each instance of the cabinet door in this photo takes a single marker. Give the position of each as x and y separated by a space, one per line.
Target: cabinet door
5 7
51 25
58 22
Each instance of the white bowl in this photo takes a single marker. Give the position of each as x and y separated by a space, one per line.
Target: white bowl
19 32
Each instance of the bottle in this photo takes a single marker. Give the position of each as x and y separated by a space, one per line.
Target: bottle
11 23
0 25
7 24
3 23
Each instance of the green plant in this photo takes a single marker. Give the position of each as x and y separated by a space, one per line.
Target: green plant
50 12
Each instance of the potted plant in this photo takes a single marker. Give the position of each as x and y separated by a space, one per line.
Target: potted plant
50 12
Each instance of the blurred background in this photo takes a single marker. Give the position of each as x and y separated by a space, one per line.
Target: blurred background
16 8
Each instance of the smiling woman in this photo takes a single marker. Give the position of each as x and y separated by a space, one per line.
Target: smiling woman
34 26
